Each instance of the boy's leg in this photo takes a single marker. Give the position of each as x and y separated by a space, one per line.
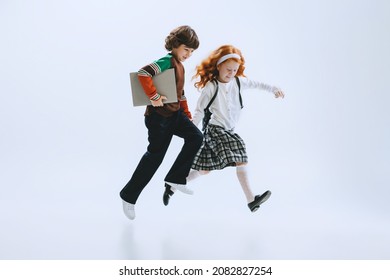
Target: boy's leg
193 138
177 175
159 136
144 172
129 210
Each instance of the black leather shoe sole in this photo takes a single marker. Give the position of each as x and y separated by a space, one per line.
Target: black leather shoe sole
167 194
259 199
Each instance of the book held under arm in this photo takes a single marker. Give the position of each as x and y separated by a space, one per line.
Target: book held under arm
164 82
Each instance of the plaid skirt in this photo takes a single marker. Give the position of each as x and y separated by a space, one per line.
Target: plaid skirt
220 148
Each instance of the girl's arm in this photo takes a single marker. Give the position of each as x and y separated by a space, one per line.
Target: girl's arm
247 83
204 99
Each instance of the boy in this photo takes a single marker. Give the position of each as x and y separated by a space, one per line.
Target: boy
165 120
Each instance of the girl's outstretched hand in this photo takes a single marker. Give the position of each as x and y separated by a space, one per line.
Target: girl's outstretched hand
159 102
278 93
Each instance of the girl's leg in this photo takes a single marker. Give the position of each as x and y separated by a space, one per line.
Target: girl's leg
242 175
254 202
171 189
195 174
192 176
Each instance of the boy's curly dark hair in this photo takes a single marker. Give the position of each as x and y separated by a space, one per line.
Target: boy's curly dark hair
182 35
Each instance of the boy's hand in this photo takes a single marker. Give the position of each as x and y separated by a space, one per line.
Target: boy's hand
159 102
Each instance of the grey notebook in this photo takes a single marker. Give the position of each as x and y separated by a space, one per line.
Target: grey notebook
164 82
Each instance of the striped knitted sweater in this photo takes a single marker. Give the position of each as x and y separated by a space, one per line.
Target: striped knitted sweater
145 75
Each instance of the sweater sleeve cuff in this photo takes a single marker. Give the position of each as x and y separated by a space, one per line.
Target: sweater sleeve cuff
184 106
155 97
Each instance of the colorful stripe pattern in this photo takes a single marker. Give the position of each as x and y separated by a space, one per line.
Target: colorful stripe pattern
146 73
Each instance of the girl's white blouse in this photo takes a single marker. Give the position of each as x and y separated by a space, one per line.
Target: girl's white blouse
226 108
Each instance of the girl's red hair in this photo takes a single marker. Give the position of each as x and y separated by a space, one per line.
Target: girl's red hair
207 70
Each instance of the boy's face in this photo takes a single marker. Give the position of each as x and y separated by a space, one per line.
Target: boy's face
182 53
227 70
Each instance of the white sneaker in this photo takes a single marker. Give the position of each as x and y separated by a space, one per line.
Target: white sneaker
182 188
128 209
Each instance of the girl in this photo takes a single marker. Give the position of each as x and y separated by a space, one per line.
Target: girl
165 120
221 80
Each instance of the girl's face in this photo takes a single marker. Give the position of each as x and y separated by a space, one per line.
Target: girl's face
227 70
182 53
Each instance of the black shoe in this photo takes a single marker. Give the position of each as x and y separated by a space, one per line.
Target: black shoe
167 194
259 199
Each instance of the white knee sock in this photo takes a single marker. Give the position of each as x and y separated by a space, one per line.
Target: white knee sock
196 173
242 175
193 175
180 187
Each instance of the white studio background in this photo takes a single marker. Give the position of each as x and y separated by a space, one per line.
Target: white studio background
70 138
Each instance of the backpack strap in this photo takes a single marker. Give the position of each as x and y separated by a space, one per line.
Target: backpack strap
207 113
216 92
239 91
214 96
